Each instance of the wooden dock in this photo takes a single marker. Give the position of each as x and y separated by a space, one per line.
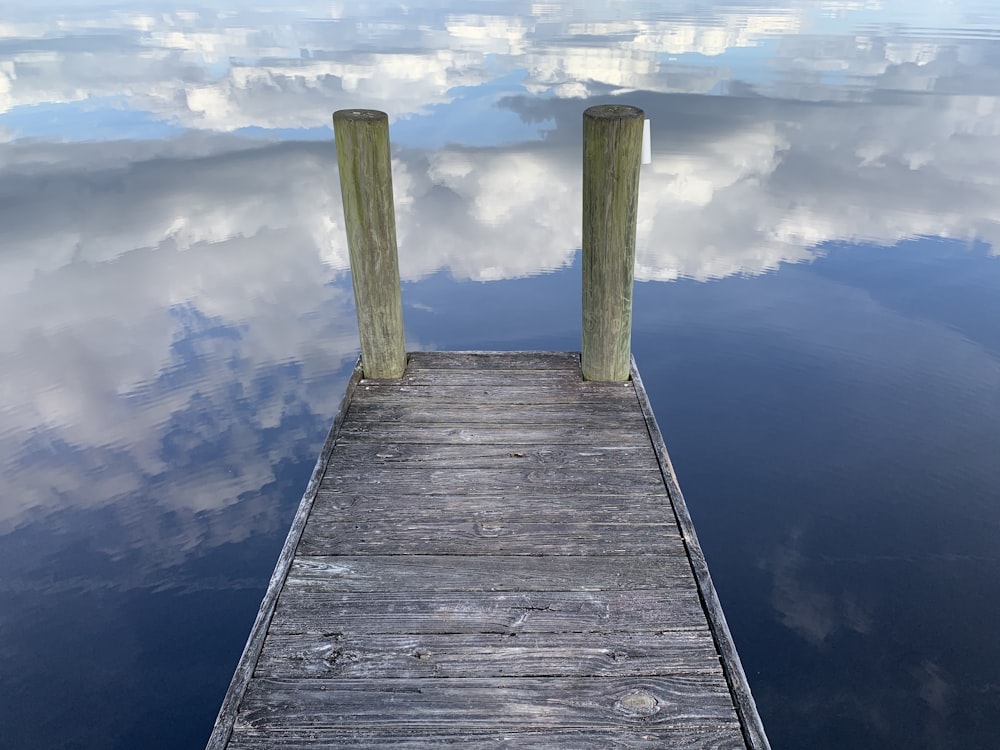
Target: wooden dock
492 552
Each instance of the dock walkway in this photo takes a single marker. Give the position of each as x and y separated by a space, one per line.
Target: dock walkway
492 552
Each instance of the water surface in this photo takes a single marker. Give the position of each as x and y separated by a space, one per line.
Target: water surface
815 320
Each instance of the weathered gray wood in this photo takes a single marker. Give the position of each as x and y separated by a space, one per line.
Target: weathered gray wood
490 435
404 480
222 729
746 708
673 607
621 414
487 511
482 378
430 455
372 656
716 735
612 146
494 703
479 574
558 501
584 392
363 159
485 573
495 361
485 537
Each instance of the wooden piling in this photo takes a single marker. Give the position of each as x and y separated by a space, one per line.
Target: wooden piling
362 138
612 147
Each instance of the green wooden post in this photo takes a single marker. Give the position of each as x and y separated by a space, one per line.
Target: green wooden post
612 147
362 138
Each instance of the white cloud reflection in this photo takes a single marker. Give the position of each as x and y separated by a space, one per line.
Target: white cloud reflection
124 260
107 270
287 67
145 299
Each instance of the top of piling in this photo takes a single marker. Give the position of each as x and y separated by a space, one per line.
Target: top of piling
355 115
614 112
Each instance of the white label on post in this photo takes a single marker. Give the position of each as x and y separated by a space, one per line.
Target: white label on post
647 150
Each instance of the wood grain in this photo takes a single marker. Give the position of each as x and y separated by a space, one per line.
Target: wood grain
496 510
482 378
480 434
485 537
622 414
365 169
518 478
715 735
377 453
490 557
604 703
498 395
495 361
673 607
381 656
612 146
370 573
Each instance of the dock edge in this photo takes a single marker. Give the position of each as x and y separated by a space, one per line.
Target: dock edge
226 720
739 687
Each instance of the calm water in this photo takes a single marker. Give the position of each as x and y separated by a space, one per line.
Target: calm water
816 322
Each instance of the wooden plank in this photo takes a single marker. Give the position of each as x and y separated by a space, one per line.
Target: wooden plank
674 700
715 735
552 393
554 502
405 480
490 510
673 607
484 573
222 729
481 378
490 655
465 456
407 403
405 537
746 708
596 417
489 435
494 361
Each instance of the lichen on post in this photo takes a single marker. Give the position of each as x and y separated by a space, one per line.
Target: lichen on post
612 147
363 158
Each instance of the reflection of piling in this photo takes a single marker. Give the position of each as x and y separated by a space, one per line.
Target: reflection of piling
362 138
612 146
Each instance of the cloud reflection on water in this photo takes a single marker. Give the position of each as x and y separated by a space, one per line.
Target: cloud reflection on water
112 249
178 319
286 68
159 309
280 67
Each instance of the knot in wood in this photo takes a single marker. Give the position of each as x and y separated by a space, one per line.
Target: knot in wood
489 528
638 704
618 655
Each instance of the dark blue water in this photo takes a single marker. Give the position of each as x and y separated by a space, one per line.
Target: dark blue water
815 321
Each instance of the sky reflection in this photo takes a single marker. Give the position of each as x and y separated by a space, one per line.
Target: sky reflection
178 319
129 266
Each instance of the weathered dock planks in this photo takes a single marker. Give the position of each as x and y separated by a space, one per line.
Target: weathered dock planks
491 552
